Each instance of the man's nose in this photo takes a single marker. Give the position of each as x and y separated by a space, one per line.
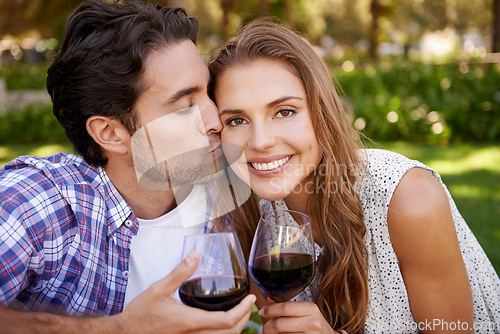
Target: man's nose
211 120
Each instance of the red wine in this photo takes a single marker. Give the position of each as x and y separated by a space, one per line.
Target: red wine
282 277
214 293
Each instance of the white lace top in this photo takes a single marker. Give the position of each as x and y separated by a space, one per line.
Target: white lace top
389 310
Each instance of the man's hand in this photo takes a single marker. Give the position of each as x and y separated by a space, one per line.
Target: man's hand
156 310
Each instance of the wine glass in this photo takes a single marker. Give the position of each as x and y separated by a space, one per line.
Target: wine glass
282 257
220 281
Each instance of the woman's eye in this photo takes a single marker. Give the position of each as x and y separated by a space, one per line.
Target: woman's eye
235 121
285 113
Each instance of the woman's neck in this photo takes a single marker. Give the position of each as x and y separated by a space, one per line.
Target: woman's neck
298 202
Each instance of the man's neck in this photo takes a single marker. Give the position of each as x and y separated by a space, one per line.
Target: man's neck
145 203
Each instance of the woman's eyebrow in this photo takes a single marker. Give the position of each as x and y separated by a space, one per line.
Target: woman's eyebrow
269 105
283 99
230 112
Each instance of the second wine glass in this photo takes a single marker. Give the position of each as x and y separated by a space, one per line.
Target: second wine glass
282 258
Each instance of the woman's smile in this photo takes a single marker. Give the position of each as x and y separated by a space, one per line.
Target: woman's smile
270 165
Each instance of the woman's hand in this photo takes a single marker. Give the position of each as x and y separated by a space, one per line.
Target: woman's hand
294 317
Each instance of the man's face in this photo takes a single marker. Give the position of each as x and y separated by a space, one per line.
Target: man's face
177 142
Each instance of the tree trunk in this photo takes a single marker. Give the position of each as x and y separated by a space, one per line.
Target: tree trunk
263 8
174 3
496 26
226 9
288 15
375 11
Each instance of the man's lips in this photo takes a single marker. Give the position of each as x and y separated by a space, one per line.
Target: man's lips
216 148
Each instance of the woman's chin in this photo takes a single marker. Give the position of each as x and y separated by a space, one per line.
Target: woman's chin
270 196
271 191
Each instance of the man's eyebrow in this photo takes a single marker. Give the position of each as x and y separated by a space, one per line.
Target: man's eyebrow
183 92
283 99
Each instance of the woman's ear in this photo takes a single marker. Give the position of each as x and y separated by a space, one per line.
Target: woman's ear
109 133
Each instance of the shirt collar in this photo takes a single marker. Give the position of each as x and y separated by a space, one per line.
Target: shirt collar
118 211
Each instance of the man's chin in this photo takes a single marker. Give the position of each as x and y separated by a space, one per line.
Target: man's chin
185 170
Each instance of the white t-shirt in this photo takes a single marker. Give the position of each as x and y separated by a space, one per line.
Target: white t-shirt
157 247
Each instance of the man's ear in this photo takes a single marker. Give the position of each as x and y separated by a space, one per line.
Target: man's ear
109 133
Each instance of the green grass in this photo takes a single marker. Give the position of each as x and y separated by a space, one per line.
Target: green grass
470 171
9 152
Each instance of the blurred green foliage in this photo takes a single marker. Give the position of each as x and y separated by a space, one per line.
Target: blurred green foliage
394 99
431 103
31 124
24 76
254 325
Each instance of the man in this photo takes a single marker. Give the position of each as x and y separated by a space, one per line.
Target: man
74 233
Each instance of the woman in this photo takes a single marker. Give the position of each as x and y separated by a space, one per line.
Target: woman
396 256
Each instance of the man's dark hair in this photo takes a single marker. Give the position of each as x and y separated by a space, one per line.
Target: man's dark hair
99 68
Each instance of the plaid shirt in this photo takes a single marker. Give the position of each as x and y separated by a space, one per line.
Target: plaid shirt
65 235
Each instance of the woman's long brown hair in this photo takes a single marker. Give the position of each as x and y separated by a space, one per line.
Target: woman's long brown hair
334 205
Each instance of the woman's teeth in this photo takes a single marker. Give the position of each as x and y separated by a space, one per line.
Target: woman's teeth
270 165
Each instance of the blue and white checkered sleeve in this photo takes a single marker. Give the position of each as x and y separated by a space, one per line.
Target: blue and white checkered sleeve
27 206
15 251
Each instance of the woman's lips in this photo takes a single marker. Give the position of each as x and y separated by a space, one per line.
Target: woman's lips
269 167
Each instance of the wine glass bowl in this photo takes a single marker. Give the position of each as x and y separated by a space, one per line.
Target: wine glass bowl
282 257
220 281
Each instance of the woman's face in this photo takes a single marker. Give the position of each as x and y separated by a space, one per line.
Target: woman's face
264 110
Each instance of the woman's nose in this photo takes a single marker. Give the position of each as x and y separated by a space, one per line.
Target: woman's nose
262 137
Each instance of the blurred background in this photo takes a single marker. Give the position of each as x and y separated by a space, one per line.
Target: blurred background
419 77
